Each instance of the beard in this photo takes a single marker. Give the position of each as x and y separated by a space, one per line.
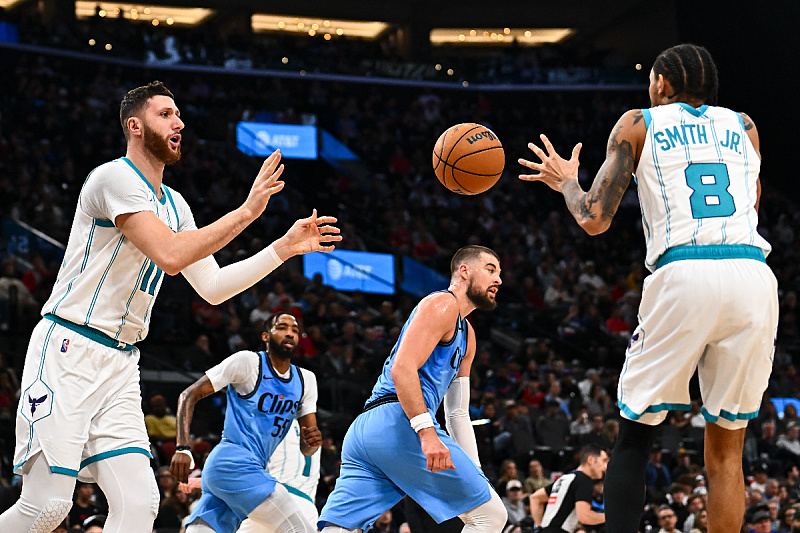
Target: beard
159 147
480 299
281 351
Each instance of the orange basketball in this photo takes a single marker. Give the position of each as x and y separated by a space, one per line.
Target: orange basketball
468 158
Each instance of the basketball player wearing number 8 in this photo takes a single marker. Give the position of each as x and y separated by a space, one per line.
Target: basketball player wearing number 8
711 301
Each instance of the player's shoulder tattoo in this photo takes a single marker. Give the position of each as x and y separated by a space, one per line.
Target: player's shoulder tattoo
637 116
748 122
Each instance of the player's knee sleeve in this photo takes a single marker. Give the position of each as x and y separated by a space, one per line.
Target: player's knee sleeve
155 498
487 517
338 529
53 512
280 512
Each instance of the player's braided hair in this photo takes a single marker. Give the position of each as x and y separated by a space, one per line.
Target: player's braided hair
690 70
133 102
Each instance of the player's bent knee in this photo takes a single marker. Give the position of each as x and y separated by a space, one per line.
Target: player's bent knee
53 512
487 517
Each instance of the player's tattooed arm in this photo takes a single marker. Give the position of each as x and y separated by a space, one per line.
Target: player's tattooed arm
593 210
751 131
182 463
748 122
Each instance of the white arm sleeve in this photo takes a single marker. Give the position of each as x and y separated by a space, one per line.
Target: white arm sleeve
456 413
215 284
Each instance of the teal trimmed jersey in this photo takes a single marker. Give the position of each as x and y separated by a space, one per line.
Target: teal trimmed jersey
697 180
106 285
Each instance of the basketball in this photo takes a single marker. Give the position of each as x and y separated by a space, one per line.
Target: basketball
468 158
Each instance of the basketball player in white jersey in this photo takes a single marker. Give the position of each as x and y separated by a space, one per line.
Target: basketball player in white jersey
298 473
80 409
711 301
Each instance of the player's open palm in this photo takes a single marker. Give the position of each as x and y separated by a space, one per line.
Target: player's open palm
554 170
437 454
265 185
312 234
181 466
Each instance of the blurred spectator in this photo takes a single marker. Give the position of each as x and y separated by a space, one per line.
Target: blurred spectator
198 357
18 308
162 428
657 478
84 504
513 502
789 443
536 479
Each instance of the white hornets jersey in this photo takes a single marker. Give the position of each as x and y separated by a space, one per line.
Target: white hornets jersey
106 287
296 471
697 180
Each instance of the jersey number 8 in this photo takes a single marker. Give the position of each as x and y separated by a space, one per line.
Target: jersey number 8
709 183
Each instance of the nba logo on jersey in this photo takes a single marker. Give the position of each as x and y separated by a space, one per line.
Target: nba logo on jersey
64 345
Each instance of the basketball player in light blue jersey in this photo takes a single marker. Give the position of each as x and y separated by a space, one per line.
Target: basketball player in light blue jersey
265 394
394 447
298 473
80 411
711 302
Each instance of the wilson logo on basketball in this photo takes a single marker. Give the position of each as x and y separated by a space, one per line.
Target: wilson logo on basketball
478 136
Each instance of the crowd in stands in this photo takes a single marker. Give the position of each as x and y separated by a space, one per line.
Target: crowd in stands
227 41
568 301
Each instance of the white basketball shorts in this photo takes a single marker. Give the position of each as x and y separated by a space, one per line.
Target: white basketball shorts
719 316
80 402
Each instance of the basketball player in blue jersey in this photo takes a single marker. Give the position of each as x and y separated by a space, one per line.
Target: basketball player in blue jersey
711 301
80 409
394 447
265 394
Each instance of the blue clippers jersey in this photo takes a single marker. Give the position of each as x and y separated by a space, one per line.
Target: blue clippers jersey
260 420
436 373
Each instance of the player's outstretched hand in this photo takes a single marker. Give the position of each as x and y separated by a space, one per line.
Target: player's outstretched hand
554 170
180 467
312 234
437 454
312 437
265 185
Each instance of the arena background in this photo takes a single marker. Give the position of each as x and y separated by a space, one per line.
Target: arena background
756 52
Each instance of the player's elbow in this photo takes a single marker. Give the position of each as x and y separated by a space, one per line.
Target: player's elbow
169 263
213 299
594 226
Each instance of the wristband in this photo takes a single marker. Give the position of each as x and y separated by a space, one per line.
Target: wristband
184 448
422 421
186 452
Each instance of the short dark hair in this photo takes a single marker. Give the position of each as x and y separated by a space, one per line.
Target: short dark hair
469 253
270 322
690 69
591 450
135 99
